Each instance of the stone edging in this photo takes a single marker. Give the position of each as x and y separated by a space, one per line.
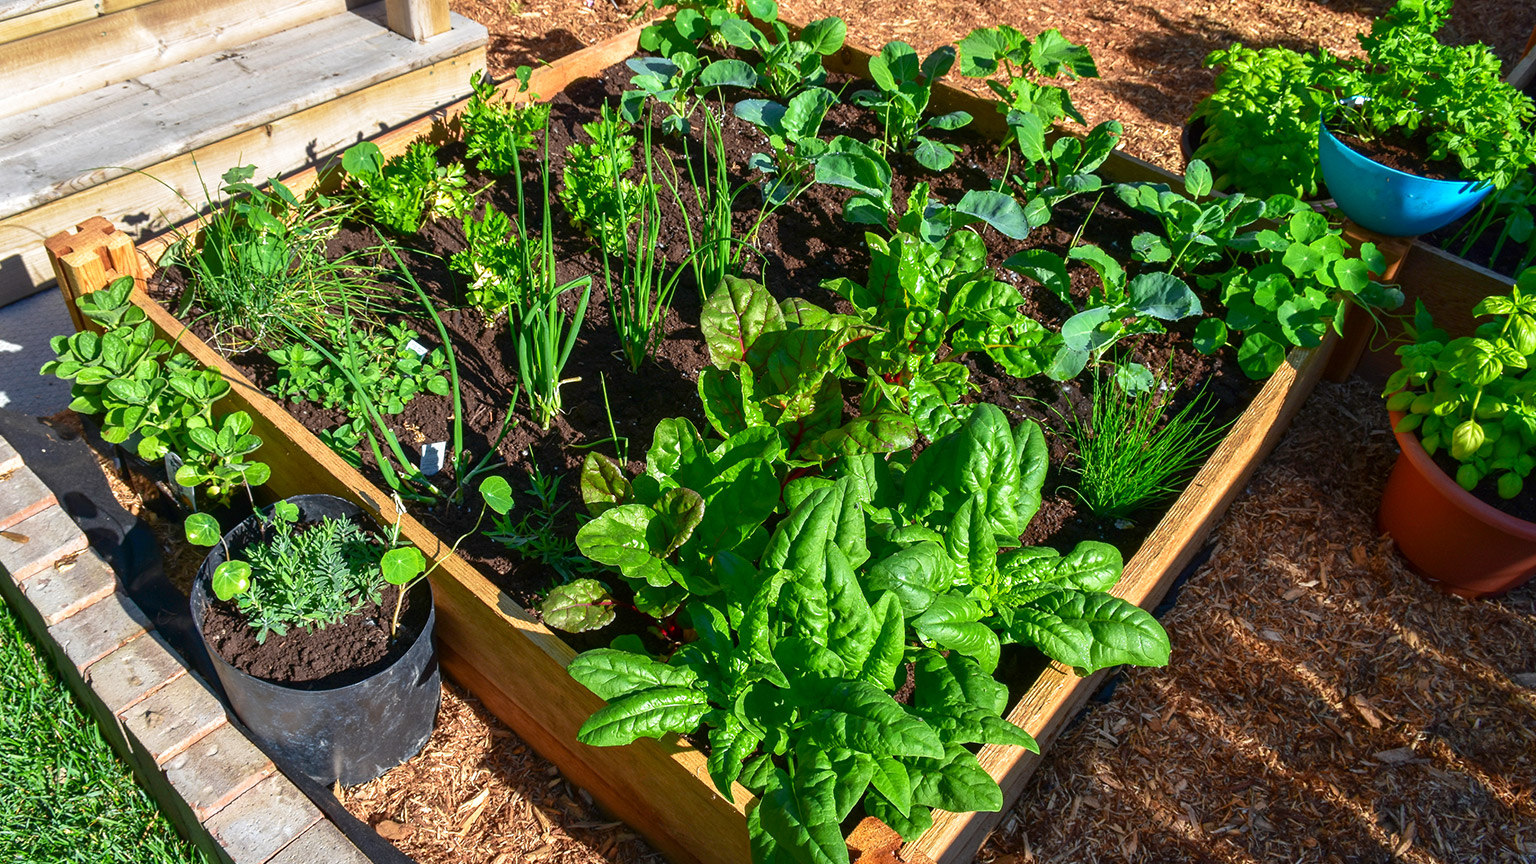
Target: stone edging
217 786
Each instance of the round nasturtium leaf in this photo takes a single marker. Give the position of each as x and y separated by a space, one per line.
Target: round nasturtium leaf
402 565
497 493
286 511
202 530
231 579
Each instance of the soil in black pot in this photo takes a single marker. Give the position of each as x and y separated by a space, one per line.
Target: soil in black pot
321 659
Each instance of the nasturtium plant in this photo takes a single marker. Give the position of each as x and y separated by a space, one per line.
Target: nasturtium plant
903 86
1475 396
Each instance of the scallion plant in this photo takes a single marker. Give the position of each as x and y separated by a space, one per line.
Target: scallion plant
1128 455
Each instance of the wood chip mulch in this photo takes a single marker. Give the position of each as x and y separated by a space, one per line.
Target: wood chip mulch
1323 703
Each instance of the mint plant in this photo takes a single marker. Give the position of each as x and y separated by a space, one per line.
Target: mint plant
494 125
139 389
904 86
1473 396
400 194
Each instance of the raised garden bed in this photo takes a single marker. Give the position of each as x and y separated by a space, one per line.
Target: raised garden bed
501 652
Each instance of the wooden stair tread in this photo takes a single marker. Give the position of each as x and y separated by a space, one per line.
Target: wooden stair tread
17 8
71 145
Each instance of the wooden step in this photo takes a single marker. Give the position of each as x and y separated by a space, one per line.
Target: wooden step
79 58
278 103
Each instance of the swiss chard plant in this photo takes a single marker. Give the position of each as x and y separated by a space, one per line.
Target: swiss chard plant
495 126
904 85
1475 396
402 193
140 390
781 366
930 305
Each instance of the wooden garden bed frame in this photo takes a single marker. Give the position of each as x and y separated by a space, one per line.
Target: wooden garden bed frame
516 666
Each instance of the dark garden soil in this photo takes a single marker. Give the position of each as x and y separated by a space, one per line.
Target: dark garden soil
1522 506
1406 153
320 659
804 244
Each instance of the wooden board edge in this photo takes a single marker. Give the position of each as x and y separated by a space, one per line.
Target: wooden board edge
1058 693
44 20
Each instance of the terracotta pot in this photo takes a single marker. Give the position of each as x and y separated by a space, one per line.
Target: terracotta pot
1460 544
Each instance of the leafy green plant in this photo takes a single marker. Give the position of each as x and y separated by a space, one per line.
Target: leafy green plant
1261 120
904 86
1454 96
494 125
387 365
798 156
1284 286
404 192
260 259
794 687
930 305
596 193
1130 452
676 83
789 64
139 388
310 576
1125 306
1018 70
536 536
1512 211
682 32
1474 396
781 366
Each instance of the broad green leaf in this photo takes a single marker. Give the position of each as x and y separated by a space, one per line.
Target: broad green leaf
861 716
231 579
497 494
883 663
997 209
738 312
825 36
203 530
1096 630
891 780
649 713
955 782
727 73
1163 296
800 815
603 484
953 622
578 606
611 673
402 565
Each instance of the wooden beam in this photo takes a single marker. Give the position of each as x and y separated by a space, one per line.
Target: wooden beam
44 20
418 19
90 259
82 57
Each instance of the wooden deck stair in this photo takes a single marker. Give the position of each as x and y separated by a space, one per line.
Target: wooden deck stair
127 113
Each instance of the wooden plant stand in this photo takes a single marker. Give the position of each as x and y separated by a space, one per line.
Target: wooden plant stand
515 665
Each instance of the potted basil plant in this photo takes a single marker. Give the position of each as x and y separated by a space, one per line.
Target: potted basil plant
1458 503
319 627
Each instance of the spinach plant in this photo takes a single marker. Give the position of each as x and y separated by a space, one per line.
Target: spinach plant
793 682
904 84
139 389
494 125
400 194
1475 396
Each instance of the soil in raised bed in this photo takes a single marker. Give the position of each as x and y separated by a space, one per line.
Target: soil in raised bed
343 653
804 244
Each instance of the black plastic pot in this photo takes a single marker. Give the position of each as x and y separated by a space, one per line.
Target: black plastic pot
351 733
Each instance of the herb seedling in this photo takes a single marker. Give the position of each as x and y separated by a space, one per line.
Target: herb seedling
493 127
1473 395
402 193
596 193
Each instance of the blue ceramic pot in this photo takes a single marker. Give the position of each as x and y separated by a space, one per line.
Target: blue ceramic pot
1390 201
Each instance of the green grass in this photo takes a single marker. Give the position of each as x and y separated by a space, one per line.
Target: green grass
64 795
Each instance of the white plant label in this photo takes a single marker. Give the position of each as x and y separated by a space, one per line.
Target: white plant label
432 457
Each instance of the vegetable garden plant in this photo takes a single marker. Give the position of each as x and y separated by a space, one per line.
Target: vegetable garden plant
819 564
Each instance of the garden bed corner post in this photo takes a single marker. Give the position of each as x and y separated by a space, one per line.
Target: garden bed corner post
89 260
